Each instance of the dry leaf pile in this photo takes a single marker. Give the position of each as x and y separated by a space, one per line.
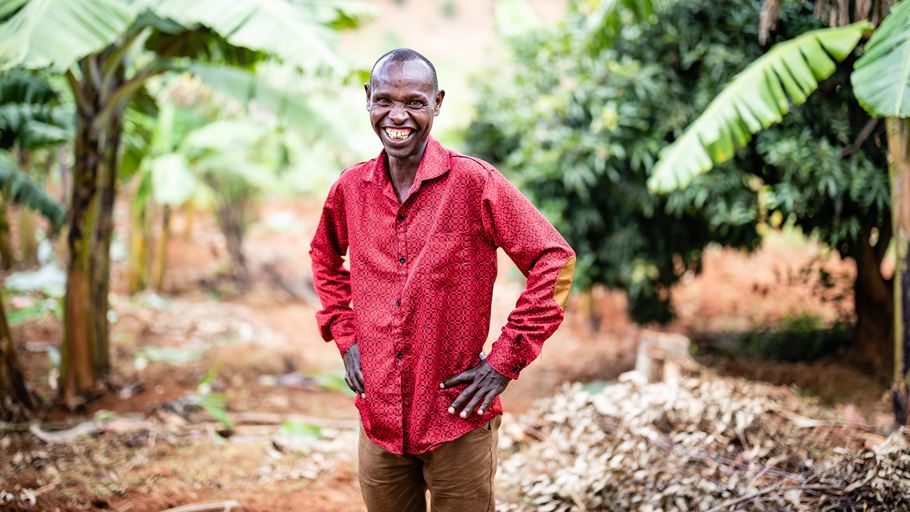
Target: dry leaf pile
706 444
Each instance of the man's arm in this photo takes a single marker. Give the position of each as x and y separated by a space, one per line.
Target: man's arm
510 221
333 285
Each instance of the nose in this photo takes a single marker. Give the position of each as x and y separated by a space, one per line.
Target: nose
398 115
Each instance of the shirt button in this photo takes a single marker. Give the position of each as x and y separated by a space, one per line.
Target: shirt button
400 217
398 302
401 259
399 355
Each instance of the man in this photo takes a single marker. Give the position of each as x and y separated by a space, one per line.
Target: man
422 224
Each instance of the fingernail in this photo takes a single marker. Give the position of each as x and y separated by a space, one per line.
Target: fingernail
479 411
363 395
464 414
442 385
451 410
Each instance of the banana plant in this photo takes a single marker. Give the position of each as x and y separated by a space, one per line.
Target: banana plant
785 76
216 162
107 50
32 123
30 118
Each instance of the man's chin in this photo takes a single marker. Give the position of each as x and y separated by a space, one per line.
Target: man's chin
402 151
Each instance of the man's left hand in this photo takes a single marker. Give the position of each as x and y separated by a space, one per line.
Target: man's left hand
484 384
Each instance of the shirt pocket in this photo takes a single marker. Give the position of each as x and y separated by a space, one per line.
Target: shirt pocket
445 255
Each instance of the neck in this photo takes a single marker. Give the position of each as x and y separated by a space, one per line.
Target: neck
405 168
402 171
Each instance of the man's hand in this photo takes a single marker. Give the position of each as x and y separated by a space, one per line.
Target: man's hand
484 384
353 375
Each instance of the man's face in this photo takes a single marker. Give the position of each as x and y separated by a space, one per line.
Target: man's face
402 101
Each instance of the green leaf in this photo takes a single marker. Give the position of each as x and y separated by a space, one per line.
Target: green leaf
276 90
881 77
9 7
756 98
278 27
19 189
30 114
300 431
57 33
18 317
172 180
216 405
333 382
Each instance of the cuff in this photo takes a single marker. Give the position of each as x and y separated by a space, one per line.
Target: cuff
344 335
500 359
344 343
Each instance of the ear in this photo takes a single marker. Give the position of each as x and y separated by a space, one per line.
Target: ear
439 97
369 91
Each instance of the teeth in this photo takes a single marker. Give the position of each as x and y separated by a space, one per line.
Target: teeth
397 133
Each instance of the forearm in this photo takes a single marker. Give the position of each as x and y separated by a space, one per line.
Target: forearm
538 313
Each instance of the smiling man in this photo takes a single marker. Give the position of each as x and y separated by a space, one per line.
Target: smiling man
422 224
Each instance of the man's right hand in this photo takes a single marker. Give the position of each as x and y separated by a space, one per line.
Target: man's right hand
353 375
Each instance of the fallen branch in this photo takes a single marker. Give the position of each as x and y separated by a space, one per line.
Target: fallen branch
85 428
201 507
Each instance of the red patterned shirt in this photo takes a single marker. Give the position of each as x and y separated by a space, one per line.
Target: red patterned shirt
421 281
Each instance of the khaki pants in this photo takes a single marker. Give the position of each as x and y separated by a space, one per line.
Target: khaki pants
459 475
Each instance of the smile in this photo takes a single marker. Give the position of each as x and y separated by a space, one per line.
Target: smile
398 134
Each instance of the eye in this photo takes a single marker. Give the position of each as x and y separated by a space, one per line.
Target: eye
382 101
415 104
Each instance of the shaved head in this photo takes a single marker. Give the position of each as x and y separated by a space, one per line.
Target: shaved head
400 55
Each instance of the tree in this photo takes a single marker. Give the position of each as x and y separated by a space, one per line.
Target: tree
29 119
596 99
108 50
32 119
759 97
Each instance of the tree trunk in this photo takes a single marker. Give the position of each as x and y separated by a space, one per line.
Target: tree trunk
77 369
28 242
15 399
6 245
899 170
101 240
232 219
138 263
874 303
164 237
84 357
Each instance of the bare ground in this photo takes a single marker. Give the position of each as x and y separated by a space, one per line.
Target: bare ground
251 339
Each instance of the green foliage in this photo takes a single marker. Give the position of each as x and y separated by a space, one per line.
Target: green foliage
881 79
580 115
30 112
333 382
57 33
216 405
755 99
18 188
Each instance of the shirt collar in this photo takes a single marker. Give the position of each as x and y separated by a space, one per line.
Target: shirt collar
435 163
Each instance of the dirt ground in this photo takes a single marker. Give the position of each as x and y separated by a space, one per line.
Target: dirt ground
263 349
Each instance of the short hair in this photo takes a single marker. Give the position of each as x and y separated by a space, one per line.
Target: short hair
404 55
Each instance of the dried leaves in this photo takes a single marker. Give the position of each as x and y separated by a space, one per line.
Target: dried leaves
707 444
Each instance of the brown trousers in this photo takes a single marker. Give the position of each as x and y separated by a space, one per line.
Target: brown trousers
459 474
